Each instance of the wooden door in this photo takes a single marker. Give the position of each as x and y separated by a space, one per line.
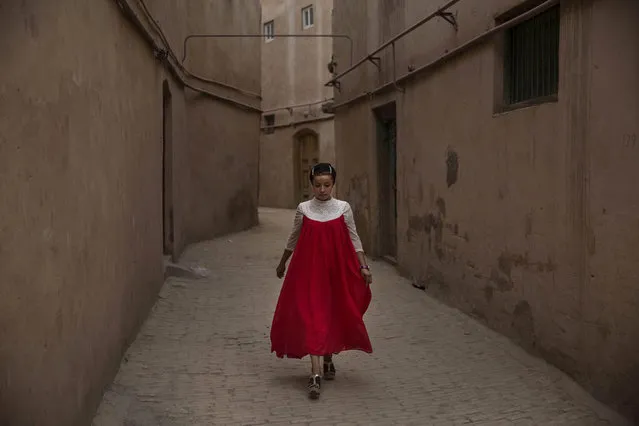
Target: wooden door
387 183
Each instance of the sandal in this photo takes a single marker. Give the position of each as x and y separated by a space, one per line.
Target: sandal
314 385
329 370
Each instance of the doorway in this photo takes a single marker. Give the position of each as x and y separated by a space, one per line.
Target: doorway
307 156
386 124
167 171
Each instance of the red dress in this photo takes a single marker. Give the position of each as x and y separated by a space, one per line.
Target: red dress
324 297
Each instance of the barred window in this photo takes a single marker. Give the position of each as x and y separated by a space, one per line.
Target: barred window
531 58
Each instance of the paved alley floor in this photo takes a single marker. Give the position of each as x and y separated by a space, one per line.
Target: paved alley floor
203 357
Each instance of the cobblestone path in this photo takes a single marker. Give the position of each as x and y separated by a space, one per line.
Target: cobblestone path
203 357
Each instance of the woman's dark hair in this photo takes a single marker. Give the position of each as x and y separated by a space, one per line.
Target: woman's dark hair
322 169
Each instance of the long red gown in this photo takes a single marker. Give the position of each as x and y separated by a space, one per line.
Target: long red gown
324 297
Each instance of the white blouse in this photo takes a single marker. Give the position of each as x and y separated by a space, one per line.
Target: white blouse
323 211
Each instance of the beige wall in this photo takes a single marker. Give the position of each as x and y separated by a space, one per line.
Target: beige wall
81 186
294 71
538 237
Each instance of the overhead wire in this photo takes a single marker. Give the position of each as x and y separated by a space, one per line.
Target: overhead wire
163 53
171 52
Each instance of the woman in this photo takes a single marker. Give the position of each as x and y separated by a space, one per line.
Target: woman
326 290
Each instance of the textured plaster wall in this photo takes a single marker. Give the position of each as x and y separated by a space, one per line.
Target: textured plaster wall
537 232
81 187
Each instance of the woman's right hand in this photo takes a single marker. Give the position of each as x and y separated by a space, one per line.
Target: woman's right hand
281 268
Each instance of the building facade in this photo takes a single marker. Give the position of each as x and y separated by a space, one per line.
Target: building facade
296 133
115 152
490 153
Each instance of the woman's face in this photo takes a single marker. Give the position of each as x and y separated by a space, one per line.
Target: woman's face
323 187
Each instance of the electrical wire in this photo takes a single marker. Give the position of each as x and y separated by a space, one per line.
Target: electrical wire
160 32
131 15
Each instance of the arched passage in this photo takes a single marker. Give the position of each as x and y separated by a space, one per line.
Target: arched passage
306 154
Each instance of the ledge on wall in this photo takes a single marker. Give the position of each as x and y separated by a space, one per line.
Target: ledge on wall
328 107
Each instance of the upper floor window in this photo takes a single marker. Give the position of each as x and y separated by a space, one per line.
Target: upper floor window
308 18
531 59
269 119
269 123
269 30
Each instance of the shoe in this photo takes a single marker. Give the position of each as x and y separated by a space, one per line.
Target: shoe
329 370
314 385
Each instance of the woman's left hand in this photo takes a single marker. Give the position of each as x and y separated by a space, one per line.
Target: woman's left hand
367 275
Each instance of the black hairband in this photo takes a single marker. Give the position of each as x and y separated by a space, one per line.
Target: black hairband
330 169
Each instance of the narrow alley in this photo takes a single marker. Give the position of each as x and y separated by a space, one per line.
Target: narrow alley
202 357
149 169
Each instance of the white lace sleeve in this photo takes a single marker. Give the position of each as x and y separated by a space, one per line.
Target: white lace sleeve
295 232
352 229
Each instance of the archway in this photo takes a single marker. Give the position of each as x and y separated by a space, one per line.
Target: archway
306 155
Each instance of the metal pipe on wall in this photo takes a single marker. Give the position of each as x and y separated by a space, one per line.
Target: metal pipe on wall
297 105
296 123
131 15
456 51
387 43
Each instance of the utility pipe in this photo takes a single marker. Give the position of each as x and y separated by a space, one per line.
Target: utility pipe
170 51
296 106
384 45
296 123
130 15
456 51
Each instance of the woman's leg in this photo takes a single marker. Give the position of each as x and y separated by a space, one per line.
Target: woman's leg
316 365
315 380
329 367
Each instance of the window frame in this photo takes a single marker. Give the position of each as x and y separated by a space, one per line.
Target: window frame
269 35
504 99
269 123
308 11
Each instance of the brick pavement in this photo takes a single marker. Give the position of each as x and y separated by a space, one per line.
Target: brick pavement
203 357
